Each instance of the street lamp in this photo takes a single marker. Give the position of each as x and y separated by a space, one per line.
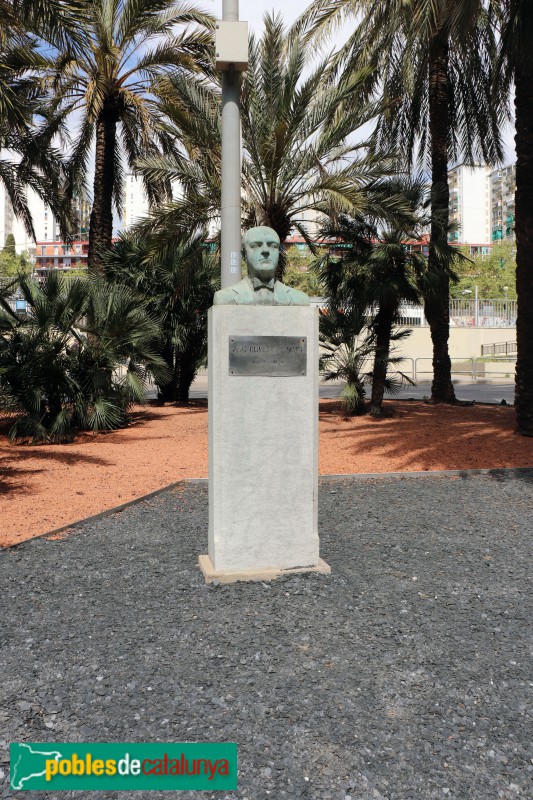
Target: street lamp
231 45
476 303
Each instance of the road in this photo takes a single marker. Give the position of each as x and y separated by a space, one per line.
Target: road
480 392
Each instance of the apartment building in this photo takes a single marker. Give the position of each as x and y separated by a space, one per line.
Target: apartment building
135 201
6 216
62 256
45 225
503 187
470 205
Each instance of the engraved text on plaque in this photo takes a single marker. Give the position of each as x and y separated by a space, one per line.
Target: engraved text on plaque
273 356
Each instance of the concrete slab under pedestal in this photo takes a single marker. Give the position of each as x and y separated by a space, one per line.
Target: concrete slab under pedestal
211 574
263 449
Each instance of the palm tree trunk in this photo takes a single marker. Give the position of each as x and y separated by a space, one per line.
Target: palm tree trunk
101 222
276 218
383 329
183 373
164 392
524 250
437 301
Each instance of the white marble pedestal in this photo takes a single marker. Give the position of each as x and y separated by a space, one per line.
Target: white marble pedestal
263 451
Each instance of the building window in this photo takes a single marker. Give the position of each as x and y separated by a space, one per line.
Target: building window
43 250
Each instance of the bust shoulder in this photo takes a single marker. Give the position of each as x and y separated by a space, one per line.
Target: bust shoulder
238 293
291 296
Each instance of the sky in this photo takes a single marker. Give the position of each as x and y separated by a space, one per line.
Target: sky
253 10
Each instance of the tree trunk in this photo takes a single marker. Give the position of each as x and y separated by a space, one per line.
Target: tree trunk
164 393
437 301
383 329
101 222
524 250
276 218
183 374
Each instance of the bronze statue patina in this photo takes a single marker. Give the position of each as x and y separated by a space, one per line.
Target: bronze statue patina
260 247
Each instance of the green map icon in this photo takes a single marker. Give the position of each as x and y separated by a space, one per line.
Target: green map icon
117 766
28 762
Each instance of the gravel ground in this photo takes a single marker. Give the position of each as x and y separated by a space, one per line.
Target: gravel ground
404 674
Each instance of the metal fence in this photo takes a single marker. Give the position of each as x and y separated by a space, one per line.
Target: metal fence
420 369
499 349
467 314
476 369
483 313
464 313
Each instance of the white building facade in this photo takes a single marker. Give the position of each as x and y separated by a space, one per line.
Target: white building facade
136 203
503 188
470 204
44 223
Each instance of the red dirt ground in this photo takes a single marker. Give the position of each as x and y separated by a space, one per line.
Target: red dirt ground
48 486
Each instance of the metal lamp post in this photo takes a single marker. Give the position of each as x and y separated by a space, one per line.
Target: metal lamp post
231 46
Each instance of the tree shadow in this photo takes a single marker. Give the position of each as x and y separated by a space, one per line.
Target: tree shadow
15 481
421 437
148 414
14 477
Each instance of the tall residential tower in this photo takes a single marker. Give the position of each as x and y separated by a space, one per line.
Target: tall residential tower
470 209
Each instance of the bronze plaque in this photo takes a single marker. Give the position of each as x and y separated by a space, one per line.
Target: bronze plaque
272 356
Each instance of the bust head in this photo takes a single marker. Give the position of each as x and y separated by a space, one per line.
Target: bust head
260 247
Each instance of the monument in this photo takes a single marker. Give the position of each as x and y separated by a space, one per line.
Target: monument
263 460
263 381
260 247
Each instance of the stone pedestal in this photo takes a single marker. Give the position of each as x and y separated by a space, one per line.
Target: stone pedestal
263 448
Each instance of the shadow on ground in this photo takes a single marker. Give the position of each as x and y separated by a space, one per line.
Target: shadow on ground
420 437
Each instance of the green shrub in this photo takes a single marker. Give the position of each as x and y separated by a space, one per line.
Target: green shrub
179 283
77 359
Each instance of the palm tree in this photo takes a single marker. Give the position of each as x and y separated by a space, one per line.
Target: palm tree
179 285
29 160
112 80
348 335
51 19
433 63
77 359
382 273
516 64
298 150
379 273
346 348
